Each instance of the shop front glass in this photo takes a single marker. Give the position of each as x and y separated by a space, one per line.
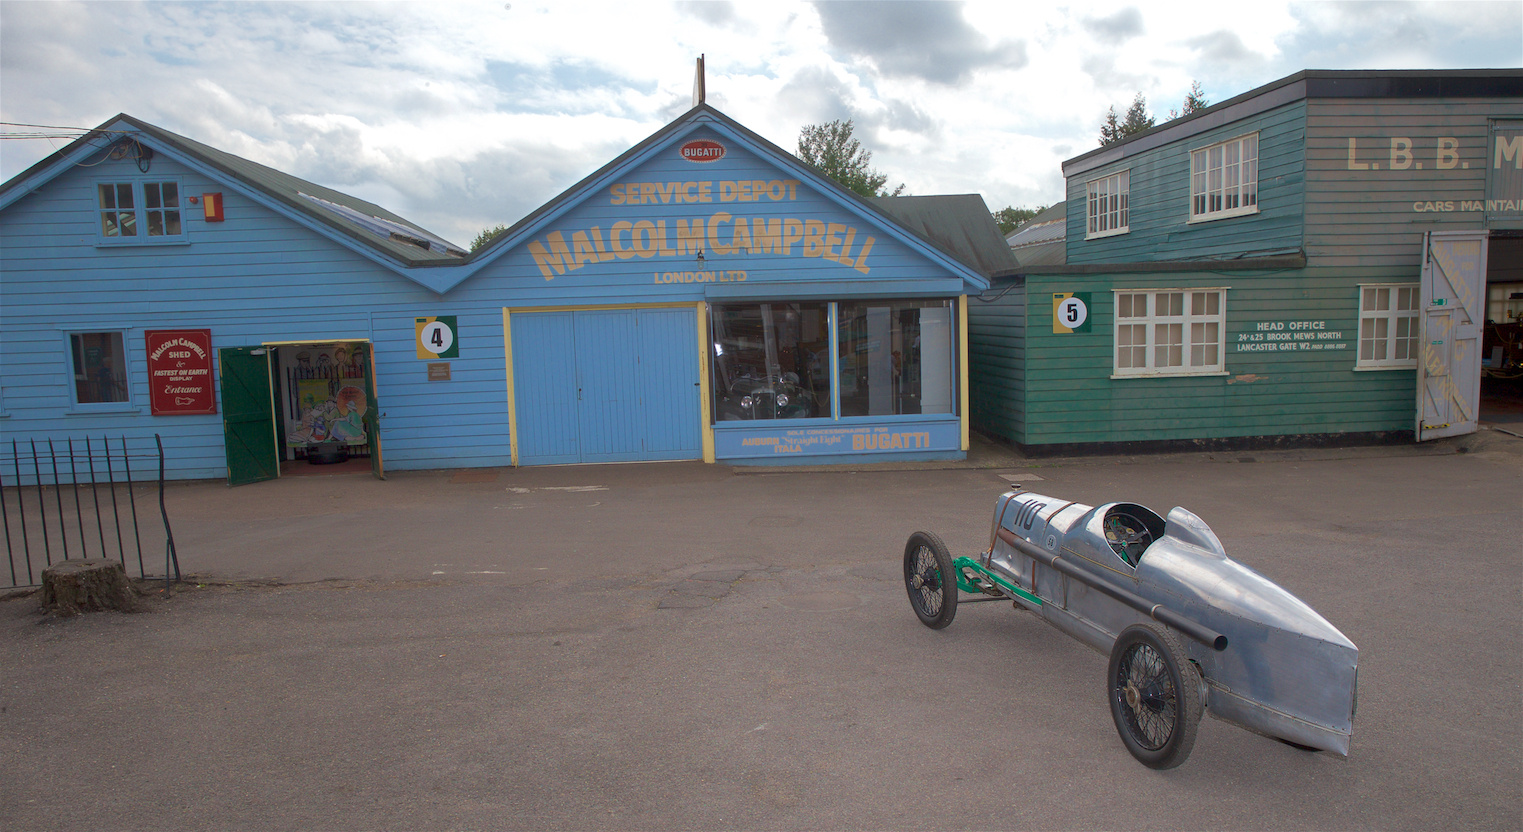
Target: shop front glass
896 357
774 360
771 361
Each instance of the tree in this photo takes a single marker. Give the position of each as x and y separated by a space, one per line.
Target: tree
1137 119
831 148
1195 99
486 236
1009 217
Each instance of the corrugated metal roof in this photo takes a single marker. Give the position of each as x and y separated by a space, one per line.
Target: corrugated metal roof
1043 239
958 224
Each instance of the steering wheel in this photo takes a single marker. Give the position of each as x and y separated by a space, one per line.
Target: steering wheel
1127 535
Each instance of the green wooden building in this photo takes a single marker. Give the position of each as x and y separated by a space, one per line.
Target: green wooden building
1316 260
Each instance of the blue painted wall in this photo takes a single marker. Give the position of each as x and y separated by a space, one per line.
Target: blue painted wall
261 276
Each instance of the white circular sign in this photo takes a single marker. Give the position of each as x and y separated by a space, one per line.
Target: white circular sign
1072 313
437 338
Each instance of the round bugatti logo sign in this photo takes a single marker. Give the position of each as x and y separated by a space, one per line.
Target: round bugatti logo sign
702 150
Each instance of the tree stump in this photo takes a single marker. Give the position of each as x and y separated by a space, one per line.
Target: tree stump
71 587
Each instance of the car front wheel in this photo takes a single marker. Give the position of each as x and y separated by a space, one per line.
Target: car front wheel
1154 694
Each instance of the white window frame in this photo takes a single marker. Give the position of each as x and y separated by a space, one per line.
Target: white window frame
1221 187
1165 336
142 224
1106 205
1381 328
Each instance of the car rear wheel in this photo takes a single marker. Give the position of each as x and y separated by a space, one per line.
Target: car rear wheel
1154 694
929 580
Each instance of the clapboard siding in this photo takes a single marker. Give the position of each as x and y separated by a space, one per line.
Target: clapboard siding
996 365
1159 199
257 277
1372 208
1071 397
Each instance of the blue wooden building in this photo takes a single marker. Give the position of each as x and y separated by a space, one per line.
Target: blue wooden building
1334 256
703 296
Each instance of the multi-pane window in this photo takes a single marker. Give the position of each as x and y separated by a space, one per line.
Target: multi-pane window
1171 332
100 367
1224 179
1106 203
139 211
1388 326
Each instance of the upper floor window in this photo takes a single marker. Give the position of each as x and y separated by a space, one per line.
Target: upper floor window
1106 204
142 212
1172 332
1224 179
1388 326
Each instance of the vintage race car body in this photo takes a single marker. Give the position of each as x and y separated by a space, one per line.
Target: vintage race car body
1266 661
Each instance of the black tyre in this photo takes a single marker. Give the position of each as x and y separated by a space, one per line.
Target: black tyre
1154 694
929 580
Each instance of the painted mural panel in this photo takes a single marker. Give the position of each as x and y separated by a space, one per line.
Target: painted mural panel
677 226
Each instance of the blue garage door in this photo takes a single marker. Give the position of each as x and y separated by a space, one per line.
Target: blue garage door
606 385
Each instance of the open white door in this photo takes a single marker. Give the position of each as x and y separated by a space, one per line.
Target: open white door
1453 306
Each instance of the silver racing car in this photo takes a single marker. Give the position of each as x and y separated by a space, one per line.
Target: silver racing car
1187 628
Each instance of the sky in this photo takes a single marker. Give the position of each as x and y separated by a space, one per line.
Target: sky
461 116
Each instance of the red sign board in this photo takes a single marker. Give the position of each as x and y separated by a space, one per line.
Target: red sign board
702 150
180 377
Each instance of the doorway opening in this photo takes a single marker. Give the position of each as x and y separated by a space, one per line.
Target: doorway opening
300 408
1502 340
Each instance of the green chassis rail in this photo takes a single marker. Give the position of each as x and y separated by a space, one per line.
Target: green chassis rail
974 586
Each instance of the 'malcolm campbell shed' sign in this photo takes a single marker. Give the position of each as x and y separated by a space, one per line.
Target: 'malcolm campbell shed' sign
180 377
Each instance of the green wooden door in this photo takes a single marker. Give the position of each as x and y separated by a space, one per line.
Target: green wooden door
372 413
248 415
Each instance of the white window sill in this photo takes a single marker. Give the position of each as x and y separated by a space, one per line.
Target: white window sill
1115 232
1367 368
1170 374
1225 215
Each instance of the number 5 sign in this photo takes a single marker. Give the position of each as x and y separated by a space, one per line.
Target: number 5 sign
437 337
1070 312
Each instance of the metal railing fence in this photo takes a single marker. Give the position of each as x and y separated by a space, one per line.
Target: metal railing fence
64 499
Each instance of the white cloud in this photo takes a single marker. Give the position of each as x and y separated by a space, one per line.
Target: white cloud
460 115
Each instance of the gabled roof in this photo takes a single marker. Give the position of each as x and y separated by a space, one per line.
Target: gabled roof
429 261
360 223
1043 239
960 261
958 224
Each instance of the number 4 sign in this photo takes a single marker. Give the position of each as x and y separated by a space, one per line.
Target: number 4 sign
1070 312
437 337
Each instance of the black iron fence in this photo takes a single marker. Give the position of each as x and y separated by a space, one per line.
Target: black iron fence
72 499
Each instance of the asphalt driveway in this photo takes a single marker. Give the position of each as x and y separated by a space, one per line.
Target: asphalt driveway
686 647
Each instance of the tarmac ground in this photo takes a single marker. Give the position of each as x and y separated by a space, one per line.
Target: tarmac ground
683 646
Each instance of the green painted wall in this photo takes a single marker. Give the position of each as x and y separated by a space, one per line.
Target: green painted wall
1070 396
996 361
1159 201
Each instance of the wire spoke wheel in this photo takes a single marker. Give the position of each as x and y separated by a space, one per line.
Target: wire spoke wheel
1154 694
929 580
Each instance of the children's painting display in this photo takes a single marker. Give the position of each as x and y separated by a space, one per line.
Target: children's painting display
324 395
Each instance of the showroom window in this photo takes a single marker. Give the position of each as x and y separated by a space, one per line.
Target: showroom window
1171 332
1224 179
1388 326
100 367
140 212
896 357
1106 204
776 360
771 361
